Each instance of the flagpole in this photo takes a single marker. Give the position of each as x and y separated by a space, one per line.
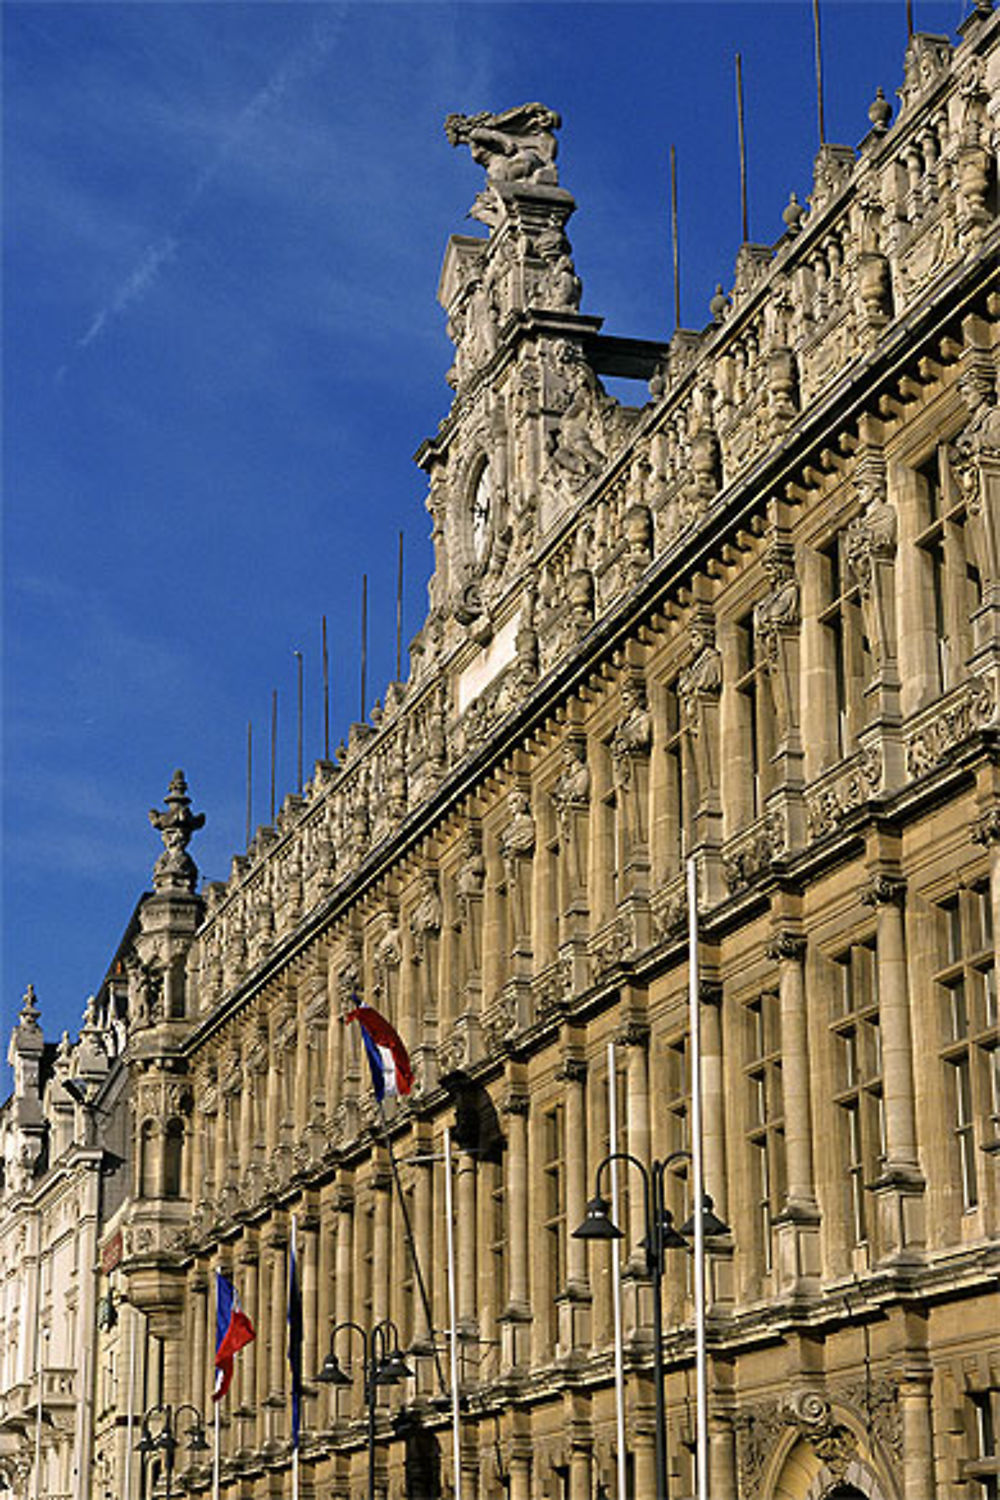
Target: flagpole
293 1271
215 1460
456 1435
408 1231
698 1173
616 1277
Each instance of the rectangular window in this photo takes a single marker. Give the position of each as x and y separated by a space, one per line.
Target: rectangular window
848 651
554 1200
766 1135
966 983
857 1058
677 790
757 714
952 582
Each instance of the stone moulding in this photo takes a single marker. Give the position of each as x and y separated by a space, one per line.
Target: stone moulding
947 726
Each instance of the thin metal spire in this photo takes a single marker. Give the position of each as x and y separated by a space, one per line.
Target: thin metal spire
399 612
274 743
673 226
364 642
249 780
909 19
744 218
819 74
298 659
326 696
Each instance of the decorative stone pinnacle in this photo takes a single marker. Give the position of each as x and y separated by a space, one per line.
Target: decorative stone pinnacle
880 112
29 1008
175 870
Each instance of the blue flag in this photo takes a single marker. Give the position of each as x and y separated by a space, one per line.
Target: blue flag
295 1338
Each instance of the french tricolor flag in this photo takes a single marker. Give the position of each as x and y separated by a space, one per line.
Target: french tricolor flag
233 1330
387 1057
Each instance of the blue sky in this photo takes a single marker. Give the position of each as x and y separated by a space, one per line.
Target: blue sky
224 225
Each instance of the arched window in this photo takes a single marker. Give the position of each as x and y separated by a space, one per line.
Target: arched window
147 1186
173 1150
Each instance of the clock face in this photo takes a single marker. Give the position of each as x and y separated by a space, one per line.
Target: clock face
482 505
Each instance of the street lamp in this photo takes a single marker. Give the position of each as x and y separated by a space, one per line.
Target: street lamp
166 1438
660 1236
383 1364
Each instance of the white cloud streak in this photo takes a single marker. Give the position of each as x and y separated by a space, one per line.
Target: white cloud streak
303 62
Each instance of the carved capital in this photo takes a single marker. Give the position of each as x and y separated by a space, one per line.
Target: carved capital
572 1070
884 890
515 1104
785 944
633 1033
986 829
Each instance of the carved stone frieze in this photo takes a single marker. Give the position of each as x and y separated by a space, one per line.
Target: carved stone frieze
961 715
836 797
751 854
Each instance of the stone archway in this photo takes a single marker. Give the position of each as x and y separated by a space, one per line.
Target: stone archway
805 1474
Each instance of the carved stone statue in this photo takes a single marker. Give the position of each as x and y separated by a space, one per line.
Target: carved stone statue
629 752
776 622
571 799
175 870
517 845
518 145
871 547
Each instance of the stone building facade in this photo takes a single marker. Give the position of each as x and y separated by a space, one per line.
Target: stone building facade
753 618
64 1148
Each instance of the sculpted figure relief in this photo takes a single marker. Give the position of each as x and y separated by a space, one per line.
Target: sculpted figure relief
573 447
517 845
518 145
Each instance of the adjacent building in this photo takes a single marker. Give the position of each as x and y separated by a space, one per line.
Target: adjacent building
752 618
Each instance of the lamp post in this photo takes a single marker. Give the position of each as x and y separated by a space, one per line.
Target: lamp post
660 1236
383 1364
167 1439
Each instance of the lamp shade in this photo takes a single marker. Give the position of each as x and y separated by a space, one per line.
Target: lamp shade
331 1373
712 1225
597 1225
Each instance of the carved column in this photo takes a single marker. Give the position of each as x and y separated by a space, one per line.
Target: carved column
571 802
517 1314
425 936
465 1206
777 618
918 1433
324 1308
423 1236
722 1459
797 1226
199 1365
899 1189
308 1253
575 1298
381 1187
277 1315
637 1311
246 1368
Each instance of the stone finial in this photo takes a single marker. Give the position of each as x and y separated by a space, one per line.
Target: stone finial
175 870
792 214
880 112
29 1011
